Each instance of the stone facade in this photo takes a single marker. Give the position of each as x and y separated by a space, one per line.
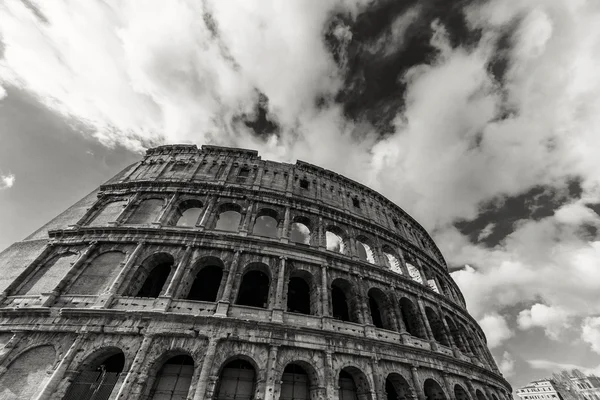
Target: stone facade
210 273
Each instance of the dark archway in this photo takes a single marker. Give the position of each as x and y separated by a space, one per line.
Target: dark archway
237 381
155 281
437 326
353 385
380 307
174 379
433 390
254 289
97 379
411 318
480 395
298 296
295 384
455 334
460 393
206 284
397 388
343 301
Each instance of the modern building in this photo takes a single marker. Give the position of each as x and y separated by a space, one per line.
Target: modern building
543 389
577 385
212 274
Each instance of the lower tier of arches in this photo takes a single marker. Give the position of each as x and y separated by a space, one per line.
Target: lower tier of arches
140 359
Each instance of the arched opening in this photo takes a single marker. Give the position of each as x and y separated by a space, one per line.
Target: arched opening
96 380
494 397
468 340
187 213
365 251
206 284
397 388
237 381
335 240
151 276
433 391
392 261
380 309
146 212
431 283
109 213
353 385
228 217
27 374
49 275
437 326
343 301
455 334
411 318
480 395
460 393
413 271
98 274
300 230
295 383
173 379
266 224
298 296
155 281
254 289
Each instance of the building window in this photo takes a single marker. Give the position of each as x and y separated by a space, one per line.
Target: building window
243 174
304 184
356 202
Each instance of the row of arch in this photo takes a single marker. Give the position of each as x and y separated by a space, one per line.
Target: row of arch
205 280
267 222
172 377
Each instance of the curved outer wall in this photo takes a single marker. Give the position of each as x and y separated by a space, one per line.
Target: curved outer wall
78 291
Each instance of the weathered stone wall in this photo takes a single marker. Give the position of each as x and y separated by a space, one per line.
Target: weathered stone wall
123 289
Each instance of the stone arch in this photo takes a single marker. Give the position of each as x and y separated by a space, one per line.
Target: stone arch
109 211
299 381
336 239
99 372
170 377
365 249
437 326
301 230
480 395
470 346
187 213
98 273
27 373
302 294
204 280
147 211
237 378
255 286
49 274
345 305
266 223
411 318
433 390
398 388
455 334
460 393
353 384
151 276
392 260
381 309
430 278
413 269
228 217
494 397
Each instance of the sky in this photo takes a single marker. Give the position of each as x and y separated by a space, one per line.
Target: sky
478 117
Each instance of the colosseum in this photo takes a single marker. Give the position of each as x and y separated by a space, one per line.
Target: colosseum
212 274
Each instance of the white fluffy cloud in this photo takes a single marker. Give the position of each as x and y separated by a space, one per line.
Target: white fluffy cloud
7 181
552 319
507 364
590 332
496 329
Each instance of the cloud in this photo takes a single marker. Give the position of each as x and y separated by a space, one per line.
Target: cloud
590 333
496 329
557 366
552 319
507 364
7 181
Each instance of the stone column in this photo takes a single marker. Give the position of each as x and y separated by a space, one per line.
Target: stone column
127 210
417 383
181 268
447 331
321 241
30 270
284 230
60 370
248 221
223 304
272 373
164 214
378 389
259 175
324 291
225 174
5 352
290 182
448 386
206 368
132 376
105 299
471 390
330 379
57 291
363 300
428 330
277 313
205 220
